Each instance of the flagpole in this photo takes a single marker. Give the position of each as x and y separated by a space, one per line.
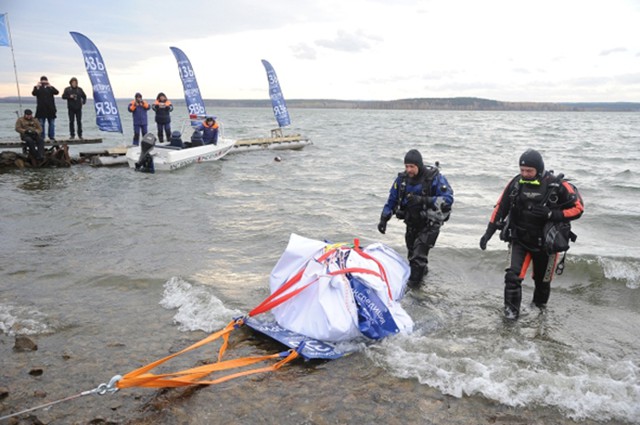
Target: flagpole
15 68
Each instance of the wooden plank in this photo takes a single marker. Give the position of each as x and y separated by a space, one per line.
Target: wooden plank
47 143
119 150
271 140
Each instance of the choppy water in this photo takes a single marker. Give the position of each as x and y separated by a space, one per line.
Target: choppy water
107 268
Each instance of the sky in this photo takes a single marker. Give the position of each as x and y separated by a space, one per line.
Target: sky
508 50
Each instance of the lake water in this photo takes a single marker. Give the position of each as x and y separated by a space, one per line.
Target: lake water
108 269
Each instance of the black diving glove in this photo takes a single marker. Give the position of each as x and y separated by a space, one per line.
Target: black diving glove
541 211
413 199
382 226
491 229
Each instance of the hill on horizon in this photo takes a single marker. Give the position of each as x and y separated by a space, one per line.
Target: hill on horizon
450 103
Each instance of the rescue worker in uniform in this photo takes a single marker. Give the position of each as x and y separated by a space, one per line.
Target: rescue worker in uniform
163 108
209 129
530 200
422 197
138 108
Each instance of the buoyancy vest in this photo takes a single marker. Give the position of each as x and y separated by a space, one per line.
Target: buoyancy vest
524 226
416 213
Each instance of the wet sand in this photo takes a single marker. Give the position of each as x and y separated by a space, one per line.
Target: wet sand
347 390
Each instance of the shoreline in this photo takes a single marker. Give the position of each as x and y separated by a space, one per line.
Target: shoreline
312 392
416 104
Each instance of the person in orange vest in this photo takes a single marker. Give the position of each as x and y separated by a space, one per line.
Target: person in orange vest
138 108
209 128
163 107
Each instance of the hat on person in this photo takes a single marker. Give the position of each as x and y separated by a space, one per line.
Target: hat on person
43 78
414 157
138 95
210 118
73 79
196 136
532 158
28 112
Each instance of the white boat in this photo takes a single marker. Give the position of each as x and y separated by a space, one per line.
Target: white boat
169 158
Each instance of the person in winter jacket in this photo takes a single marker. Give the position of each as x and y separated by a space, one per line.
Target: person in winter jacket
209 128
30 133
75 98
163 107
422 197
46 106
138 108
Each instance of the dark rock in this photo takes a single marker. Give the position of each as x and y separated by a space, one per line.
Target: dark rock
24 343
4 392
36 371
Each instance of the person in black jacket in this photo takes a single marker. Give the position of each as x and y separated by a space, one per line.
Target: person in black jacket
422 197
530 200
75 98
46 106
163 107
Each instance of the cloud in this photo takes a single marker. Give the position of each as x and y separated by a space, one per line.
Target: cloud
356 42
303 51
614 50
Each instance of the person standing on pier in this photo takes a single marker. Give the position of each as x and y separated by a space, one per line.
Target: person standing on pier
75 98
46 106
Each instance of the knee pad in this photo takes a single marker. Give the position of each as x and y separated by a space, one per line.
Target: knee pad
512 279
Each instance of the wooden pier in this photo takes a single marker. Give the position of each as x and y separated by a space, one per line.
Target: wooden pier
56 153
12 143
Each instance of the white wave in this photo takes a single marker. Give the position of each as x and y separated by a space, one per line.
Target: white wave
581 385
18 320
626 270
198 309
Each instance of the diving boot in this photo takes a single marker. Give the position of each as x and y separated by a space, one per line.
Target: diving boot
510 313
512 300
414 284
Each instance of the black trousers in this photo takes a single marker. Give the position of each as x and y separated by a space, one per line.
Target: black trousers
77 116
35 144
419 240
164 128
543 267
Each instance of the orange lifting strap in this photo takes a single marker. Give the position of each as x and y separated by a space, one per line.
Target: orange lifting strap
194 376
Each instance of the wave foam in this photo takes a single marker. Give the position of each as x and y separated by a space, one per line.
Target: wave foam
627 270
18 320
198 309
581 385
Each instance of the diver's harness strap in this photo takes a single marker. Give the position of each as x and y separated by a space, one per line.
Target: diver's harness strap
507 234
431 172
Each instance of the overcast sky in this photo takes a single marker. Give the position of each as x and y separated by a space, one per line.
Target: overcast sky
510 50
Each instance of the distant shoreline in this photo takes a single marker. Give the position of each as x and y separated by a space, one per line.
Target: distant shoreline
445 104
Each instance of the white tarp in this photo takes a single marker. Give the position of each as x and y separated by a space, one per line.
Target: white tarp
340 307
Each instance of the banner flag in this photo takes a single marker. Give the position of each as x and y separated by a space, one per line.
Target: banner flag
277 99
107 117
192 95
4 31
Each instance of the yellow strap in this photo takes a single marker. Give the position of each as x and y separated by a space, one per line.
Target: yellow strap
193 376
